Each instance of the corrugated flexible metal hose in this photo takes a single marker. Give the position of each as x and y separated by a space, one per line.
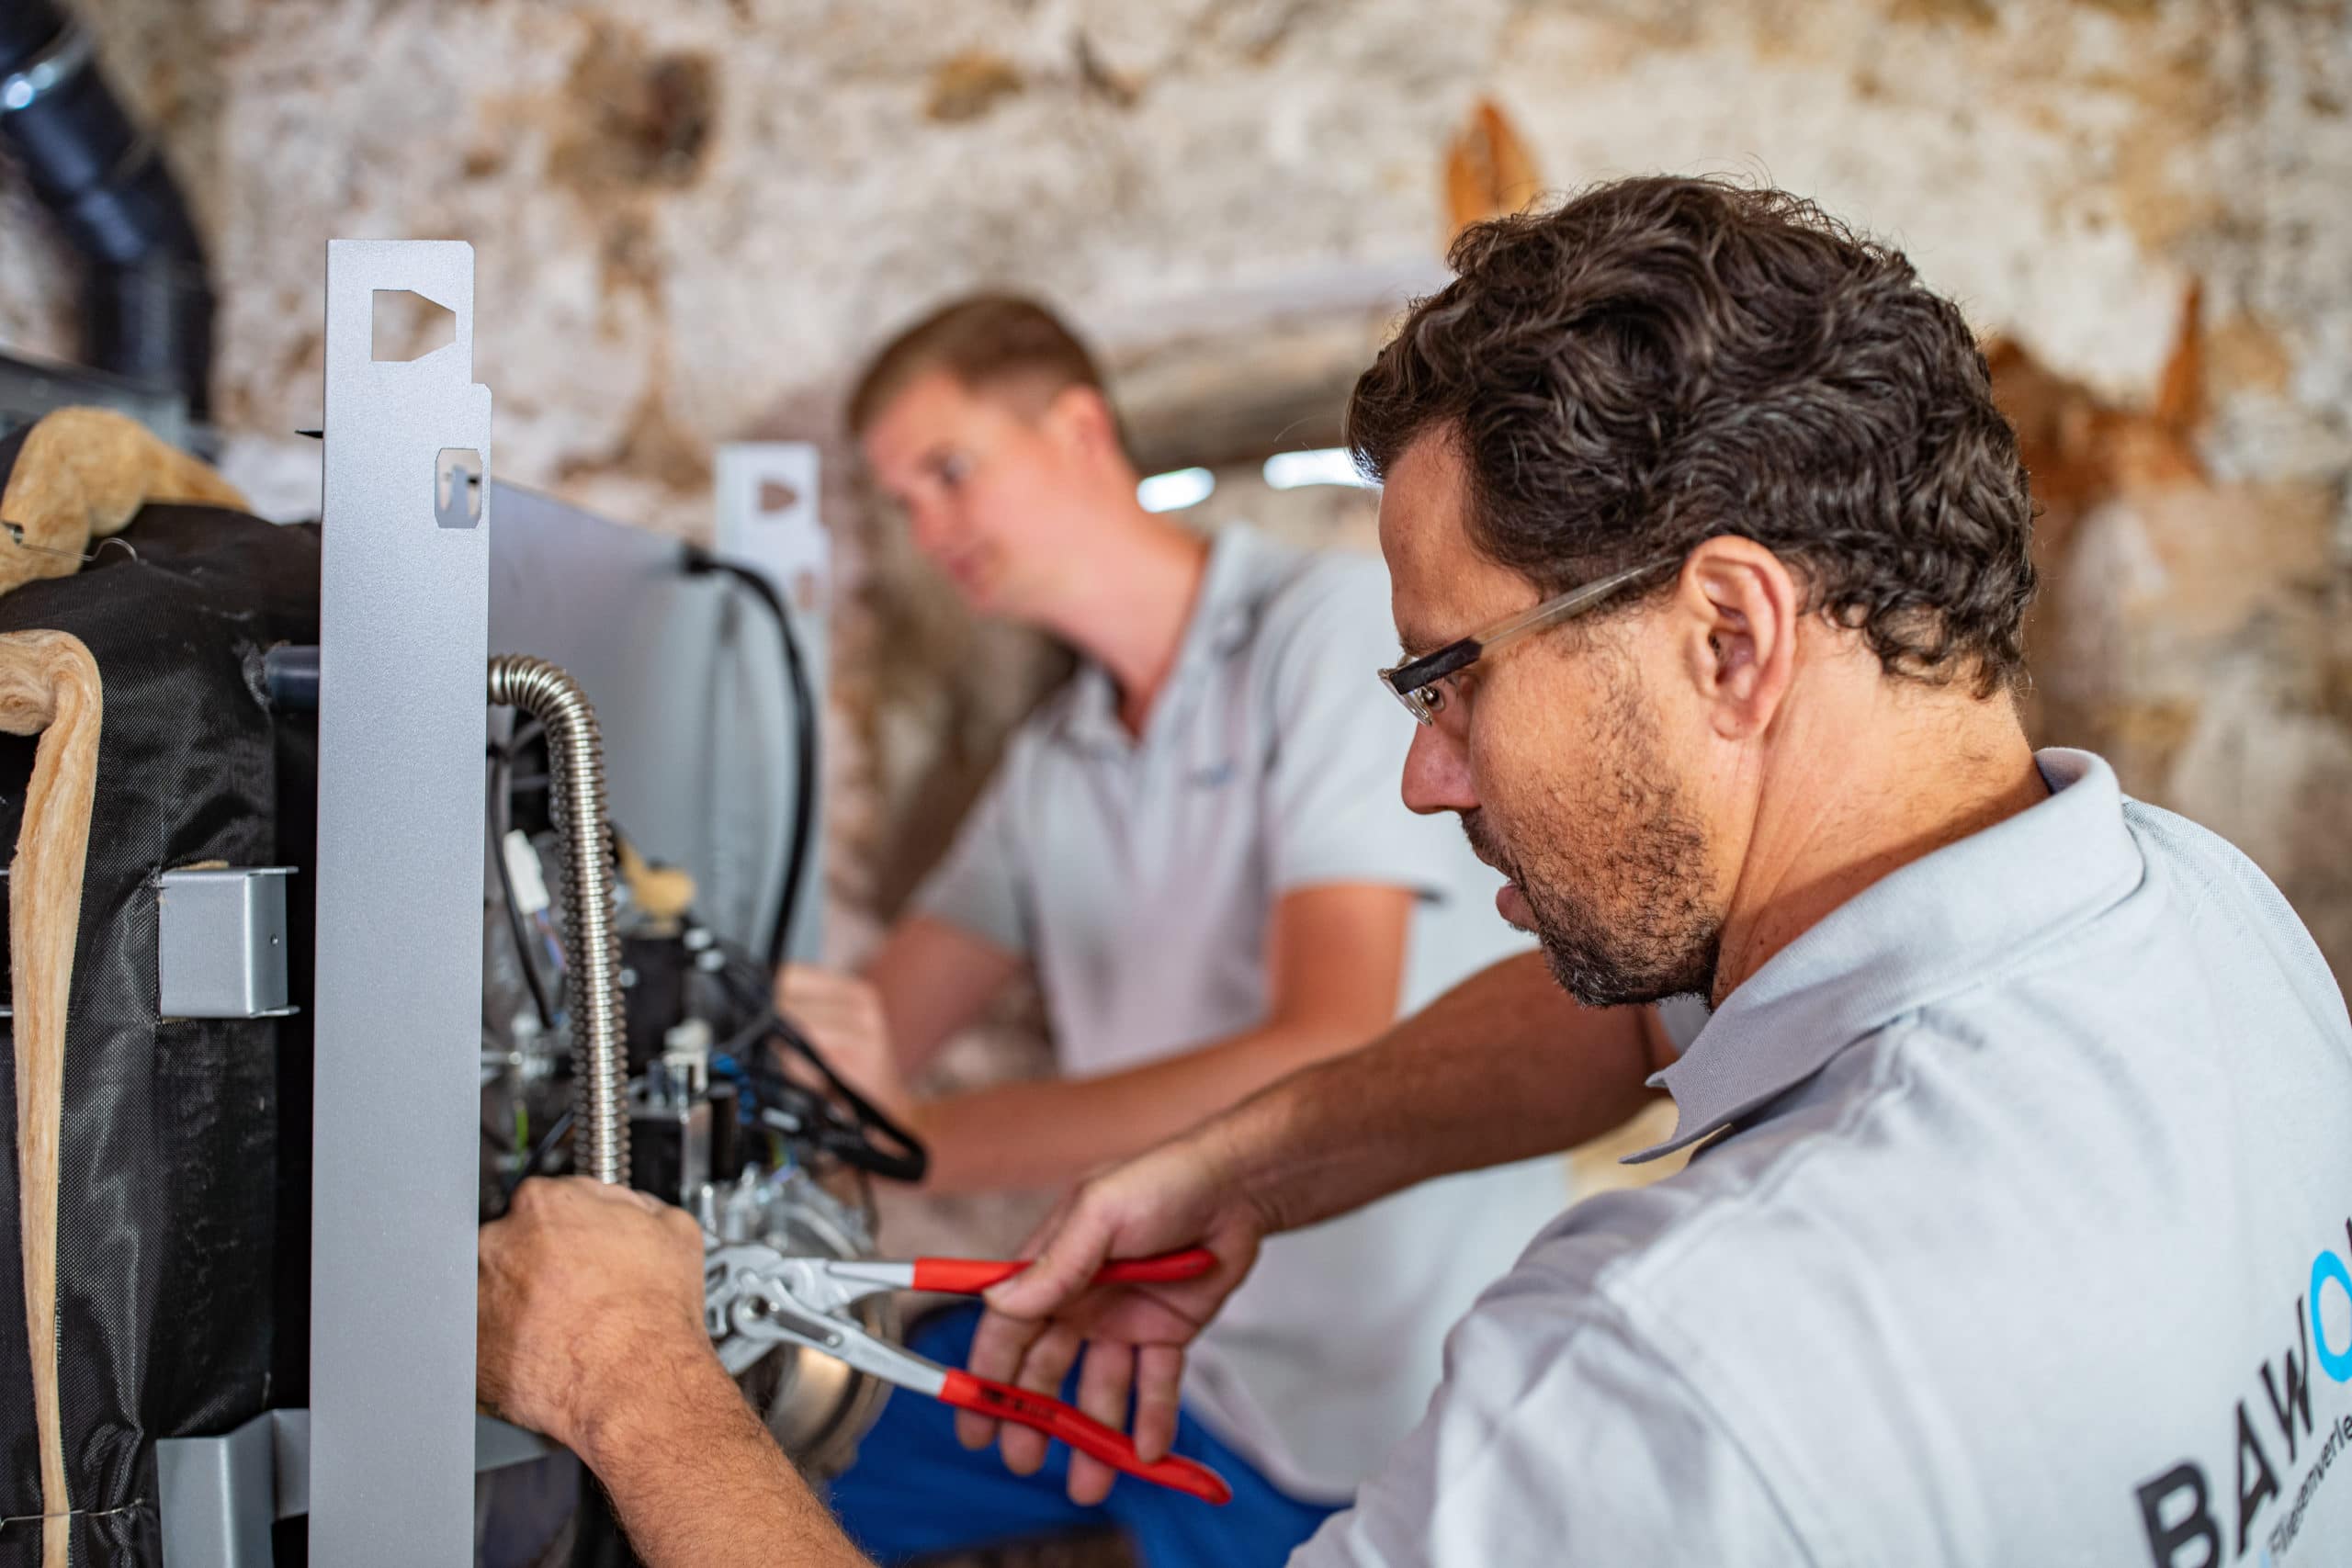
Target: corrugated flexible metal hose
591 944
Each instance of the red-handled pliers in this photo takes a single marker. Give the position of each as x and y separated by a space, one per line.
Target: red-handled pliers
755 1298
970 1276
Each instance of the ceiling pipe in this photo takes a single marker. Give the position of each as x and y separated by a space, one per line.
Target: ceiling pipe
147 300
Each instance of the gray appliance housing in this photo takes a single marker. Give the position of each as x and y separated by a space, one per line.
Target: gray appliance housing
429 566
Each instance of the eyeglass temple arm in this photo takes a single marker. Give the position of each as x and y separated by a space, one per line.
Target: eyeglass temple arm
1576 600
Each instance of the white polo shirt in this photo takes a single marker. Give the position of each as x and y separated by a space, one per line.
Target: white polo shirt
2022 1238
1140 876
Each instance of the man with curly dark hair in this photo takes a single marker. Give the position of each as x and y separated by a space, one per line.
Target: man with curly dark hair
2016 1231
1606 390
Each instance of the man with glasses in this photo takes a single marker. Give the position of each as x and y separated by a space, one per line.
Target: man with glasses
2016 1231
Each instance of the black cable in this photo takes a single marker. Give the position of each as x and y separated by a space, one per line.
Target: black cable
751 989
499 823
852 1139
539 1151
803 699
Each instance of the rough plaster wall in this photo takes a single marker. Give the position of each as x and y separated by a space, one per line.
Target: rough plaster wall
691 219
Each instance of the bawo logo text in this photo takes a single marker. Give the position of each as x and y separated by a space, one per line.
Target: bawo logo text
2184 1532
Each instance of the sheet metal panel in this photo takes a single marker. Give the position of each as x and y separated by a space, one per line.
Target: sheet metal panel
404 611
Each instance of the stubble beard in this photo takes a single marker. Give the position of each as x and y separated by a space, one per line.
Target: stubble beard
1617 894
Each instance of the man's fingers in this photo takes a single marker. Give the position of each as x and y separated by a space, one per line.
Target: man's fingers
1042 1371
1023 1449
1000 1344
842 1017
1072 1255
491 1245
1158 1380
974 1432
807 994
997 1346
1048 1361
812 994
1090 1479
797 1071
1104 1379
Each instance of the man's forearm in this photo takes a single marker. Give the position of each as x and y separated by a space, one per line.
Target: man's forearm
1334 957
1503 1067
697 1482
1045 1134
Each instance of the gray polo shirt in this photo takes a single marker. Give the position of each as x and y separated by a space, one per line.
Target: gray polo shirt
2022 1239
1138 876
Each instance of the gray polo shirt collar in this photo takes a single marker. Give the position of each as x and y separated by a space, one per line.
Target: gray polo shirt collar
1233 587
1934 927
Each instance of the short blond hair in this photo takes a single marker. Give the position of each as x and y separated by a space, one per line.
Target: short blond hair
986 341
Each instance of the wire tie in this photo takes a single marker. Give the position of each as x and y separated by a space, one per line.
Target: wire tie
15 532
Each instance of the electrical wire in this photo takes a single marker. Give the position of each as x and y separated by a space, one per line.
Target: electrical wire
500 820
866 1138
802 699
556 1133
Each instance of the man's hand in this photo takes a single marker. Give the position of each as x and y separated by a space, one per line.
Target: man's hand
1176 1196
1501 1068
588 1297
842 1016
590 1330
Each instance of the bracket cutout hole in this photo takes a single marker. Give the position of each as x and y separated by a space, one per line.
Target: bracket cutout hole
404 325
457 487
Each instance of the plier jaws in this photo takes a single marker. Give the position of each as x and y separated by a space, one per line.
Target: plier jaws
755 1298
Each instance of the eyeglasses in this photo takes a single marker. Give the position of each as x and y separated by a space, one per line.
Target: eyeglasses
1416 682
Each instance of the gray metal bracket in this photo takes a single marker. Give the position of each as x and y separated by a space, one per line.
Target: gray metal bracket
765 498
403 720
220 1496
221 943
686 677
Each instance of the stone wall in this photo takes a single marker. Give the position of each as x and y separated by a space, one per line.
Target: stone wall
691 219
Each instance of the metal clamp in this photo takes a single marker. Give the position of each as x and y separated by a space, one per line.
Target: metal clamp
749 1308
221 947
755 1298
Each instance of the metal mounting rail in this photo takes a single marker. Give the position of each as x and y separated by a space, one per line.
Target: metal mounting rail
404 605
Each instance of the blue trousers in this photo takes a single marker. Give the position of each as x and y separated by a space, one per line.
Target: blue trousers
915 1490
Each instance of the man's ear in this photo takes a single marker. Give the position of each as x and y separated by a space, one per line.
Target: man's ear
1736 606
1081 415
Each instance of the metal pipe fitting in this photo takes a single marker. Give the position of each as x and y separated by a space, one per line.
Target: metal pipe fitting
289 678
591 944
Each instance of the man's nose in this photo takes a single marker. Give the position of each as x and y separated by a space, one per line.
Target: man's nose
1437 772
